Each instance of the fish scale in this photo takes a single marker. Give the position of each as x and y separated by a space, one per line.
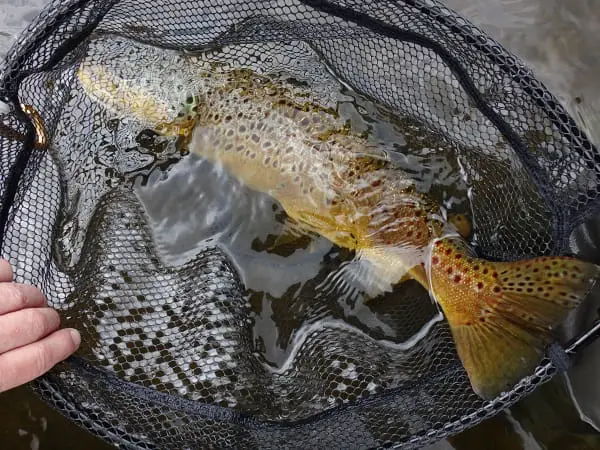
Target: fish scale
273 136
305 157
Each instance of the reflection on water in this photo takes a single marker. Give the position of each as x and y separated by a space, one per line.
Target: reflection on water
545 420
559 40
28 424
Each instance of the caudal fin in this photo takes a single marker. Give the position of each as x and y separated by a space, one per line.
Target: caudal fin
502 314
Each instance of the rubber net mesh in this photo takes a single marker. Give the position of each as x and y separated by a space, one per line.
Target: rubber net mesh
177 299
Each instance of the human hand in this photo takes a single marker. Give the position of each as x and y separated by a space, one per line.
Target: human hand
30 344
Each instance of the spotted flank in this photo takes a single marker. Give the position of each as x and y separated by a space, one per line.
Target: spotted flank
276 137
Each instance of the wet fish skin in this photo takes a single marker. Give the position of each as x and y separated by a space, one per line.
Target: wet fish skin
275 138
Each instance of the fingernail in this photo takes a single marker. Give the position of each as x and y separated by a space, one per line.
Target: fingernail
76 337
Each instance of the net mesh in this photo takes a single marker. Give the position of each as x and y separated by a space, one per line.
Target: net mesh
174 349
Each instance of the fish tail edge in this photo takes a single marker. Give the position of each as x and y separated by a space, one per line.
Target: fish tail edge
503 314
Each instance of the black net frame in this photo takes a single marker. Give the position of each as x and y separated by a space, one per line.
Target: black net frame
56 37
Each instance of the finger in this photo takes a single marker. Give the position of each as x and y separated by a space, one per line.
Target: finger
23 327
16 296
27 363
6 272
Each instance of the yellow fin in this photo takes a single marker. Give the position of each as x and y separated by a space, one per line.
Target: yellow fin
502 315
462 224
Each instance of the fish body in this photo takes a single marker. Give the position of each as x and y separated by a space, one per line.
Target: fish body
333 182
277 139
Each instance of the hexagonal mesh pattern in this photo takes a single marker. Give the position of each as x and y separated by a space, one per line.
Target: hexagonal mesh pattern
172 353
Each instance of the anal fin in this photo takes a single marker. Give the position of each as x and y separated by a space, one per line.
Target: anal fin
375 271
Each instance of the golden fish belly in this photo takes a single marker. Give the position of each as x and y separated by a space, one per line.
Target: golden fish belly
287 169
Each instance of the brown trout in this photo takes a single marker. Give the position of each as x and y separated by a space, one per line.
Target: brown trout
274 137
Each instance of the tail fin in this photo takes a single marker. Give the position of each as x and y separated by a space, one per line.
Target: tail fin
502 314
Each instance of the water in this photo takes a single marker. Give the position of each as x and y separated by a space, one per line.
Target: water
558 39
16 15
